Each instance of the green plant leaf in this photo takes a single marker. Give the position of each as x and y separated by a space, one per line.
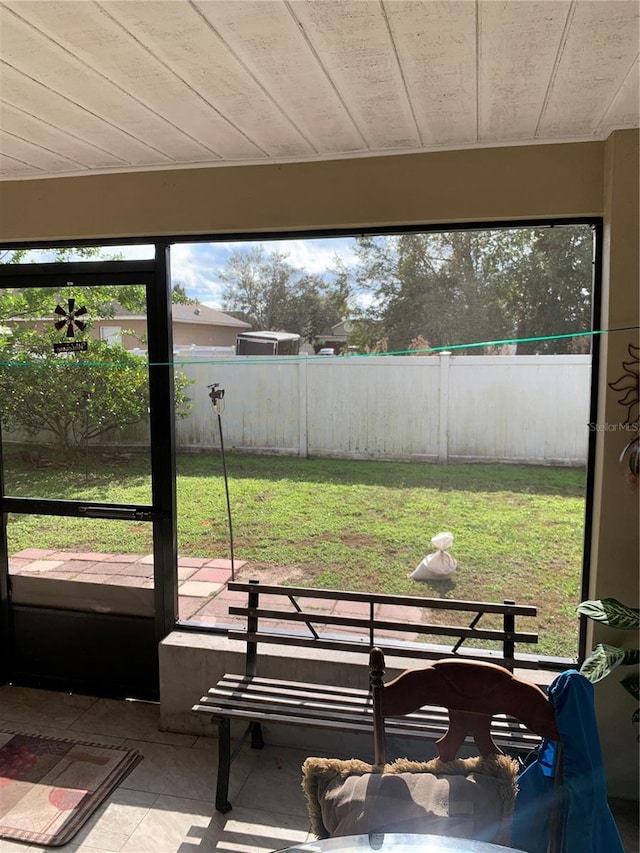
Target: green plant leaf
611 612
601 662
631 684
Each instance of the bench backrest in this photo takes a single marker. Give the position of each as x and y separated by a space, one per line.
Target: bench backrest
295 616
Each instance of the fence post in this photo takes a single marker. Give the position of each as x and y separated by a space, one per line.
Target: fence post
303 414
443 429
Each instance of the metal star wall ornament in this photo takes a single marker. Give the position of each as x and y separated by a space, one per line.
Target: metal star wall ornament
69 318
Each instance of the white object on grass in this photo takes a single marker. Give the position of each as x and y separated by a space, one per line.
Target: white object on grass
440 564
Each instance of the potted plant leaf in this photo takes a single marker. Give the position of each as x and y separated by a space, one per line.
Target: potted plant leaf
605 658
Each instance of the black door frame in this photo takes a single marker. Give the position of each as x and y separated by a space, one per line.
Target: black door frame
134 669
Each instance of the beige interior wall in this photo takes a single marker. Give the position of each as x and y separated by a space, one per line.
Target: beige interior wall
492 184
615 558
452 186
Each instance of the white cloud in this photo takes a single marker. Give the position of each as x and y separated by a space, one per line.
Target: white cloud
132 253
315 255
196 265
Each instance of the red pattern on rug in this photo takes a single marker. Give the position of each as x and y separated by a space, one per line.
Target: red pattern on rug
49 787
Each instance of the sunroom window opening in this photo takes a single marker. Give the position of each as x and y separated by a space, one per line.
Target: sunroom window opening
69 254
442 384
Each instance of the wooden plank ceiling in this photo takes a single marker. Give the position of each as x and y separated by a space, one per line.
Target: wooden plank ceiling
128 85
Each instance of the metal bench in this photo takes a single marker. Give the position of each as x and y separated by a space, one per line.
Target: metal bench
258 700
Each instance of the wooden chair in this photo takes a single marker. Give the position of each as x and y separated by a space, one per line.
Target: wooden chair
473 692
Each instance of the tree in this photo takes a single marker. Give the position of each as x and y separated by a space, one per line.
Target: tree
547 289
477 285
83 253
429 285
36 303
78 396
271 294
75 396
179 295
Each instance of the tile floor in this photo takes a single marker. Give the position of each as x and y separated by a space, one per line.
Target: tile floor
165 805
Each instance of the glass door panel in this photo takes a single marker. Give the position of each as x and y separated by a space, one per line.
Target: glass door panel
74 413
87 474
82 605
81 564
74 400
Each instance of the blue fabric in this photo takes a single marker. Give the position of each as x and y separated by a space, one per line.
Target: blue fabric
587 825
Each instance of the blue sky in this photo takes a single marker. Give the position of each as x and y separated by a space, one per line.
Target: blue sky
197 265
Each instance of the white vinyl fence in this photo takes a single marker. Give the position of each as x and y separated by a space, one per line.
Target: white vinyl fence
531 409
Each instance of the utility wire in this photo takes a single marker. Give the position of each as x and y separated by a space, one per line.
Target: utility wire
292 358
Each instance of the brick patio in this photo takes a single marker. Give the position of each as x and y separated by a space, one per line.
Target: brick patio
203 595
200 579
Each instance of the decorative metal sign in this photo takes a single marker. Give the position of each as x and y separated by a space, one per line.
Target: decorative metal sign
71 346
69 319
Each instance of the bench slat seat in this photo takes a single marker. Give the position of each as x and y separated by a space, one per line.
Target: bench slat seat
324 706
396 600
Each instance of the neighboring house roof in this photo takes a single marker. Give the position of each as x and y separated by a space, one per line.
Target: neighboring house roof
343 327
200 314
339 330
188 314
203 314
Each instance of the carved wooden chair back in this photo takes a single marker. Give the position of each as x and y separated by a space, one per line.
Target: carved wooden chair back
473 692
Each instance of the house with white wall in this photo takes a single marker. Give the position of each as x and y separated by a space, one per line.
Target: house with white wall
193 325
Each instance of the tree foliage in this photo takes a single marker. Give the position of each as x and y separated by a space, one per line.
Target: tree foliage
38 303
467 286
547 287
63 255
270 293
76 397
179 295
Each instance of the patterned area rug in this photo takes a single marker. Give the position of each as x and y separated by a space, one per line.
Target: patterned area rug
49 786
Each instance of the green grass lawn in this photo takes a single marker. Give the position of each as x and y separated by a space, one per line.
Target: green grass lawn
518 529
